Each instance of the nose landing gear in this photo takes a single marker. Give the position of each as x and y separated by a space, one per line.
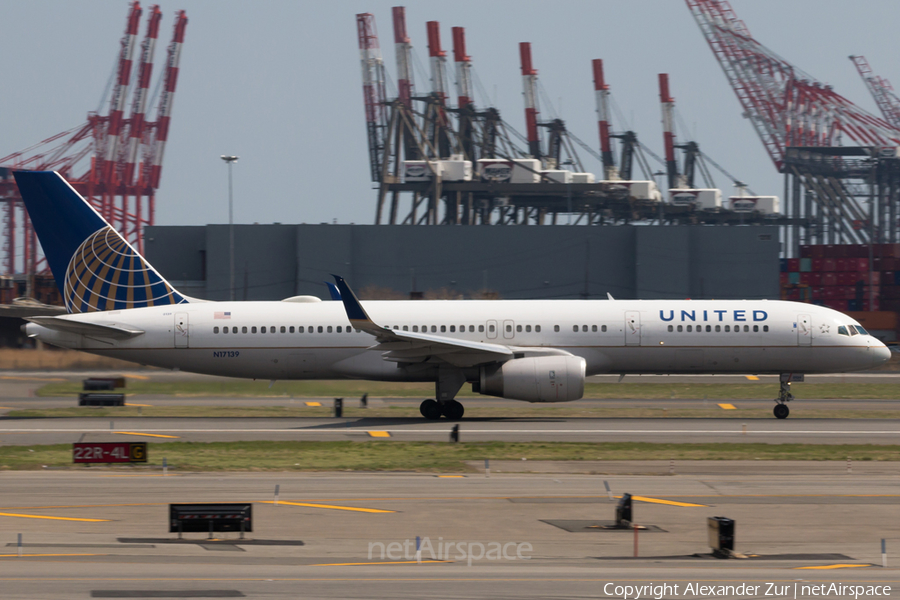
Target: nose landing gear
781 410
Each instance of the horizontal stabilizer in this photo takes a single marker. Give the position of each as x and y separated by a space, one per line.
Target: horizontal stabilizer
98 330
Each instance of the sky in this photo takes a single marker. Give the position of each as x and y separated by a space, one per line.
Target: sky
278 83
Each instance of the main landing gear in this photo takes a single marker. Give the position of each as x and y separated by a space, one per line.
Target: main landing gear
784 396
434 410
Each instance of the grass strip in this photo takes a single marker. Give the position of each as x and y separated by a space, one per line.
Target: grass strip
430 456
355 389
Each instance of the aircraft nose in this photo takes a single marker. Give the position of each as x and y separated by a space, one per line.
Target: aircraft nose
880 354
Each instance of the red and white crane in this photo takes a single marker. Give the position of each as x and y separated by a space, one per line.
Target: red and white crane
529 86
114 126
166 99
881 89
668 122
112 144
403 52
786 106
463 68
374 97
601 93
141 94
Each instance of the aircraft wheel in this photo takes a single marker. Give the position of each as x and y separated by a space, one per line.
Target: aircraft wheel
782 411
453 410
430 409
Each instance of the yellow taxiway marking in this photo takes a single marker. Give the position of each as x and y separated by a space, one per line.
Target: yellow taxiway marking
752 377
313 403
7 407
396 562
727 406
53 518
669 502
130 404
13 378
29 555
381 434
159 435
136 377
824 567
350 508
451 476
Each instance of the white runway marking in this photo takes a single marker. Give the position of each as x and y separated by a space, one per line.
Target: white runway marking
482 431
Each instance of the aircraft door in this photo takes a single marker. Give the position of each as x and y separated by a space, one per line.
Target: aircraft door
632 328
492 329
509 329
804 331
182 330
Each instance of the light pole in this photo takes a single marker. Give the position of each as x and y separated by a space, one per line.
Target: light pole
230 160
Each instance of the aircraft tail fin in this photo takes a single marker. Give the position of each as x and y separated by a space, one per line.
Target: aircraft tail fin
95 268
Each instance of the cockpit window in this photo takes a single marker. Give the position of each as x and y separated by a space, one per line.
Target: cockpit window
843 331
861 331
852 330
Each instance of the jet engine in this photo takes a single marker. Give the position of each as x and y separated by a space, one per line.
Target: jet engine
535 379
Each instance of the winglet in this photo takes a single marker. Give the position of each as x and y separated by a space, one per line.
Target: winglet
355 312
608 295
332 289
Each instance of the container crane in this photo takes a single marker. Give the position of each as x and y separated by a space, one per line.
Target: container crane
529 86
436 117
374 97
111 143
881 89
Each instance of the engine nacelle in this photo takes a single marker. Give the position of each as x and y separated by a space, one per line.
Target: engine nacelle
536 379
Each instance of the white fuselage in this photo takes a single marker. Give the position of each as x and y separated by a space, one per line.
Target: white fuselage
314 340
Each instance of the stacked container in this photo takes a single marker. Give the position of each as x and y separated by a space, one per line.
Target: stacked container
837 276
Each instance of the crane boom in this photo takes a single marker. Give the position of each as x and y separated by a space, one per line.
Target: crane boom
529 86
373 89
881 89
601 92
167 97
140 97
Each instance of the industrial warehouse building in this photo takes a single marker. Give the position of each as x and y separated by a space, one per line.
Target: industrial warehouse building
277 261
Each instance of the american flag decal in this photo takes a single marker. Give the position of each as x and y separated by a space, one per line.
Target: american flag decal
222 315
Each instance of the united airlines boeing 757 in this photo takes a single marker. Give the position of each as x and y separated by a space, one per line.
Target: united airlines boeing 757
531 350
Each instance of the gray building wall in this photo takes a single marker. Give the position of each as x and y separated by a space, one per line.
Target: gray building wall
277 261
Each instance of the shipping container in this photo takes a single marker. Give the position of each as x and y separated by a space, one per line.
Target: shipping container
456 169
876 319
767 205
420 170
639 190
703 199
556 176
583 178
525 170
517 170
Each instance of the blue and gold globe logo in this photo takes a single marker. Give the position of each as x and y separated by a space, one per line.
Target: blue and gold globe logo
106 273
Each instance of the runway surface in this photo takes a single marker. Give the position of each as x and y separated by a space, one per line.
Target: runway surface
818 431
102 534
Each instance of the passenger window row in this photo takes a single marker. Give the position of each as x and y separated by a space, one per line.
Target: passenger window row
285 329
584 328
718 328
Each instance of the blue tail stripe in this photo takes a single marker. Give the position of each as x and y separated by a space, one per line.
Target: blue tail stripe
94 267
62 219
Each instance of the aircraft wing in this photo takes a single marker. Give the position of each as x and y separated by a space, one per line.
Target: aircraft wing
406 346
95 330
